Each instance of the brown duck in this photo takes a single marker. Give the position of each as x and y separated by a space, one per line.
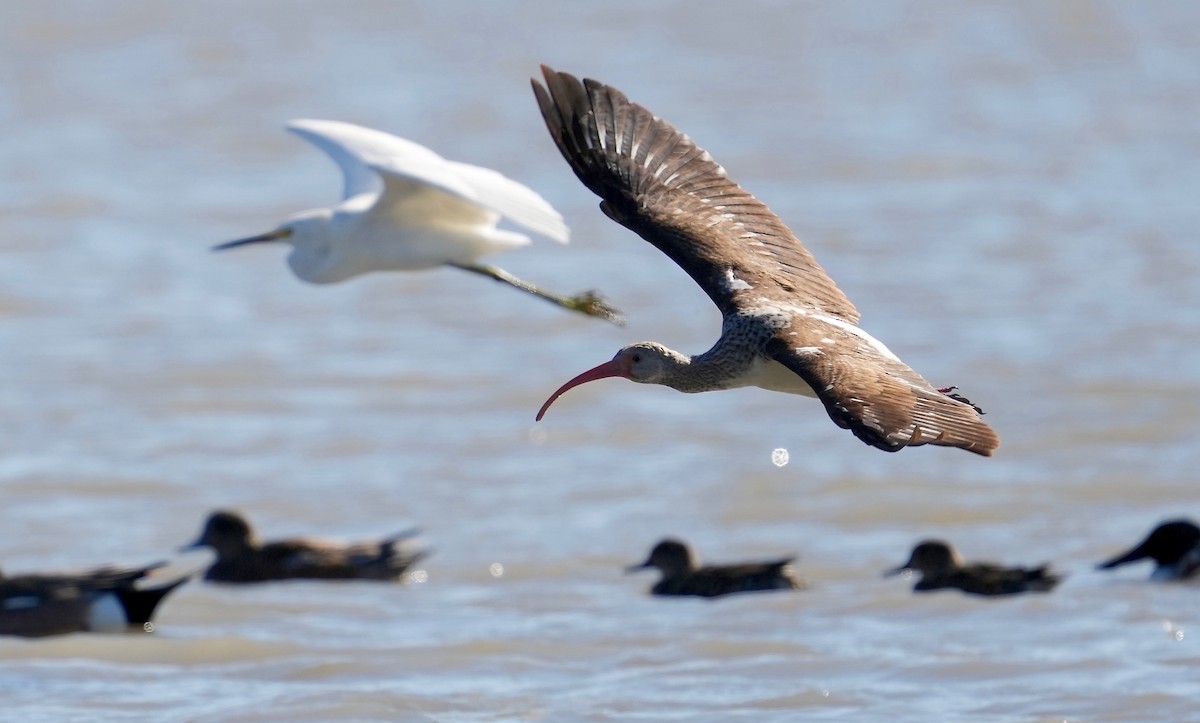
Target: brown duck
242 558
682 574
941 567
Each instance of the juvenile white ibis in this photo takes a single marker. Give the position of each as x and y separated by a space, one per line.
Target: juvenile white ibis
405 208
787 327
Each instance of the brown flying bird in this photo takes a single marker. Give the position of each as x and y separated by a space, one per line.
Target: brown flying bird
787 327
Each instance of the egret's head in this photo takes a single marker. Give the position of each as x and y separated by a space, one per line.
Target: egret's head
313 248
645 362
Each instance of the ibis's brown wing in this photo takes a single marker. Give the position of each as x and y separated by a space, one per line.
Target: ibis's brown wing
659 183
883 401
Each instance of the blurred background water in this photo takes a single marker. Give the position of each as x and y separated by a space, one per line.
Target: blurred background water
1007 192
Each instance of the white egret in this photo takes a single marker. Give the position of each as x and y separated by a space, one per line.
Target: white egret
405 208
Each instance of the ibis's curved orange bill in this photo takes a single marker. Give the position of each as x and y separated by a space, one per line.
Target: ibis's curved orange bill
612 368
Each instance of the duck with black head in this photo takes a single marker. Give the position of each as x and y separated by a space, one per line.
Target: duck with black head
108 599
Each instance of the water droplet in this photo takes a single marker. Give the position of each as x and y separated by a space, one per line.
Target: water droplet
148 627
496 569
418 576
1179 635
779 457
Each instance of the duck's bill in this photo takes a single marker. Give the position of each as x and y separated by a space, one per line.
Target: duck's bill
897 570
1133 555
611 368
634 568
278 234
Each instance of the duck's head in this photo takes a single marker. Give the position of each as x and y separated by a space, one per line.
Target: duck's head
672 557
226 532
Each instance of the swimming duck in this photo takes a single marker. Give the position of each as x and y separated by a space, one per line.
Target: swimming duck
682 574
1174 545
242 558
107 599
941 567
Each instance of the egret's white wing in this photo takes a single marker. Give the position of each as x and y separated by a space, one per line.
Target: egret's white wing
411 201
343 143
515 201
364 153
490 192
408 168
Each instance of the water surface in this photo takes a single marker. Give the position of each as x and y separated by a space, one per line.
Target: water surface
1006 191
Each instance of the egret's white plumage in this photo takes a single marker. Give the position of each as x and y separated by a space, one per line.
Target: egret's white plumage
405 208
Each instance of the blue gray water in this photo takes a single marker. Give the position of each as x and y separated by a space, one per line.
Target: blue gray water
1007 192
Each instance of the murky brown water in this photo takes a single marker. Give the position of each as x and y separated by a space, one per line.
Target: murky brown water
1007 191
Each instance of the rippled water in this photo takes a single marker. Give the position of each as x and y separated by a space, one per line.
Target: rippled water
1007 191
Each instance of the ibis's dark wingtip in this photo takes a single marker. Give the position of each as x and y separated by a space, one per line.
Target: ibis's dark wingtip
549 74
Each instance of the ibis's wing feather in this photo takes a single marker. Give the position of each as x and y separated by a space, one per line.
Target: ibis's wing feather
656 181
374 161
882 400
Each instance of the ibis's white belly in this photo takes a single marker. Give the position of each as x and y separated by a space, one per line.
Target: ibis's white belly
771 375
